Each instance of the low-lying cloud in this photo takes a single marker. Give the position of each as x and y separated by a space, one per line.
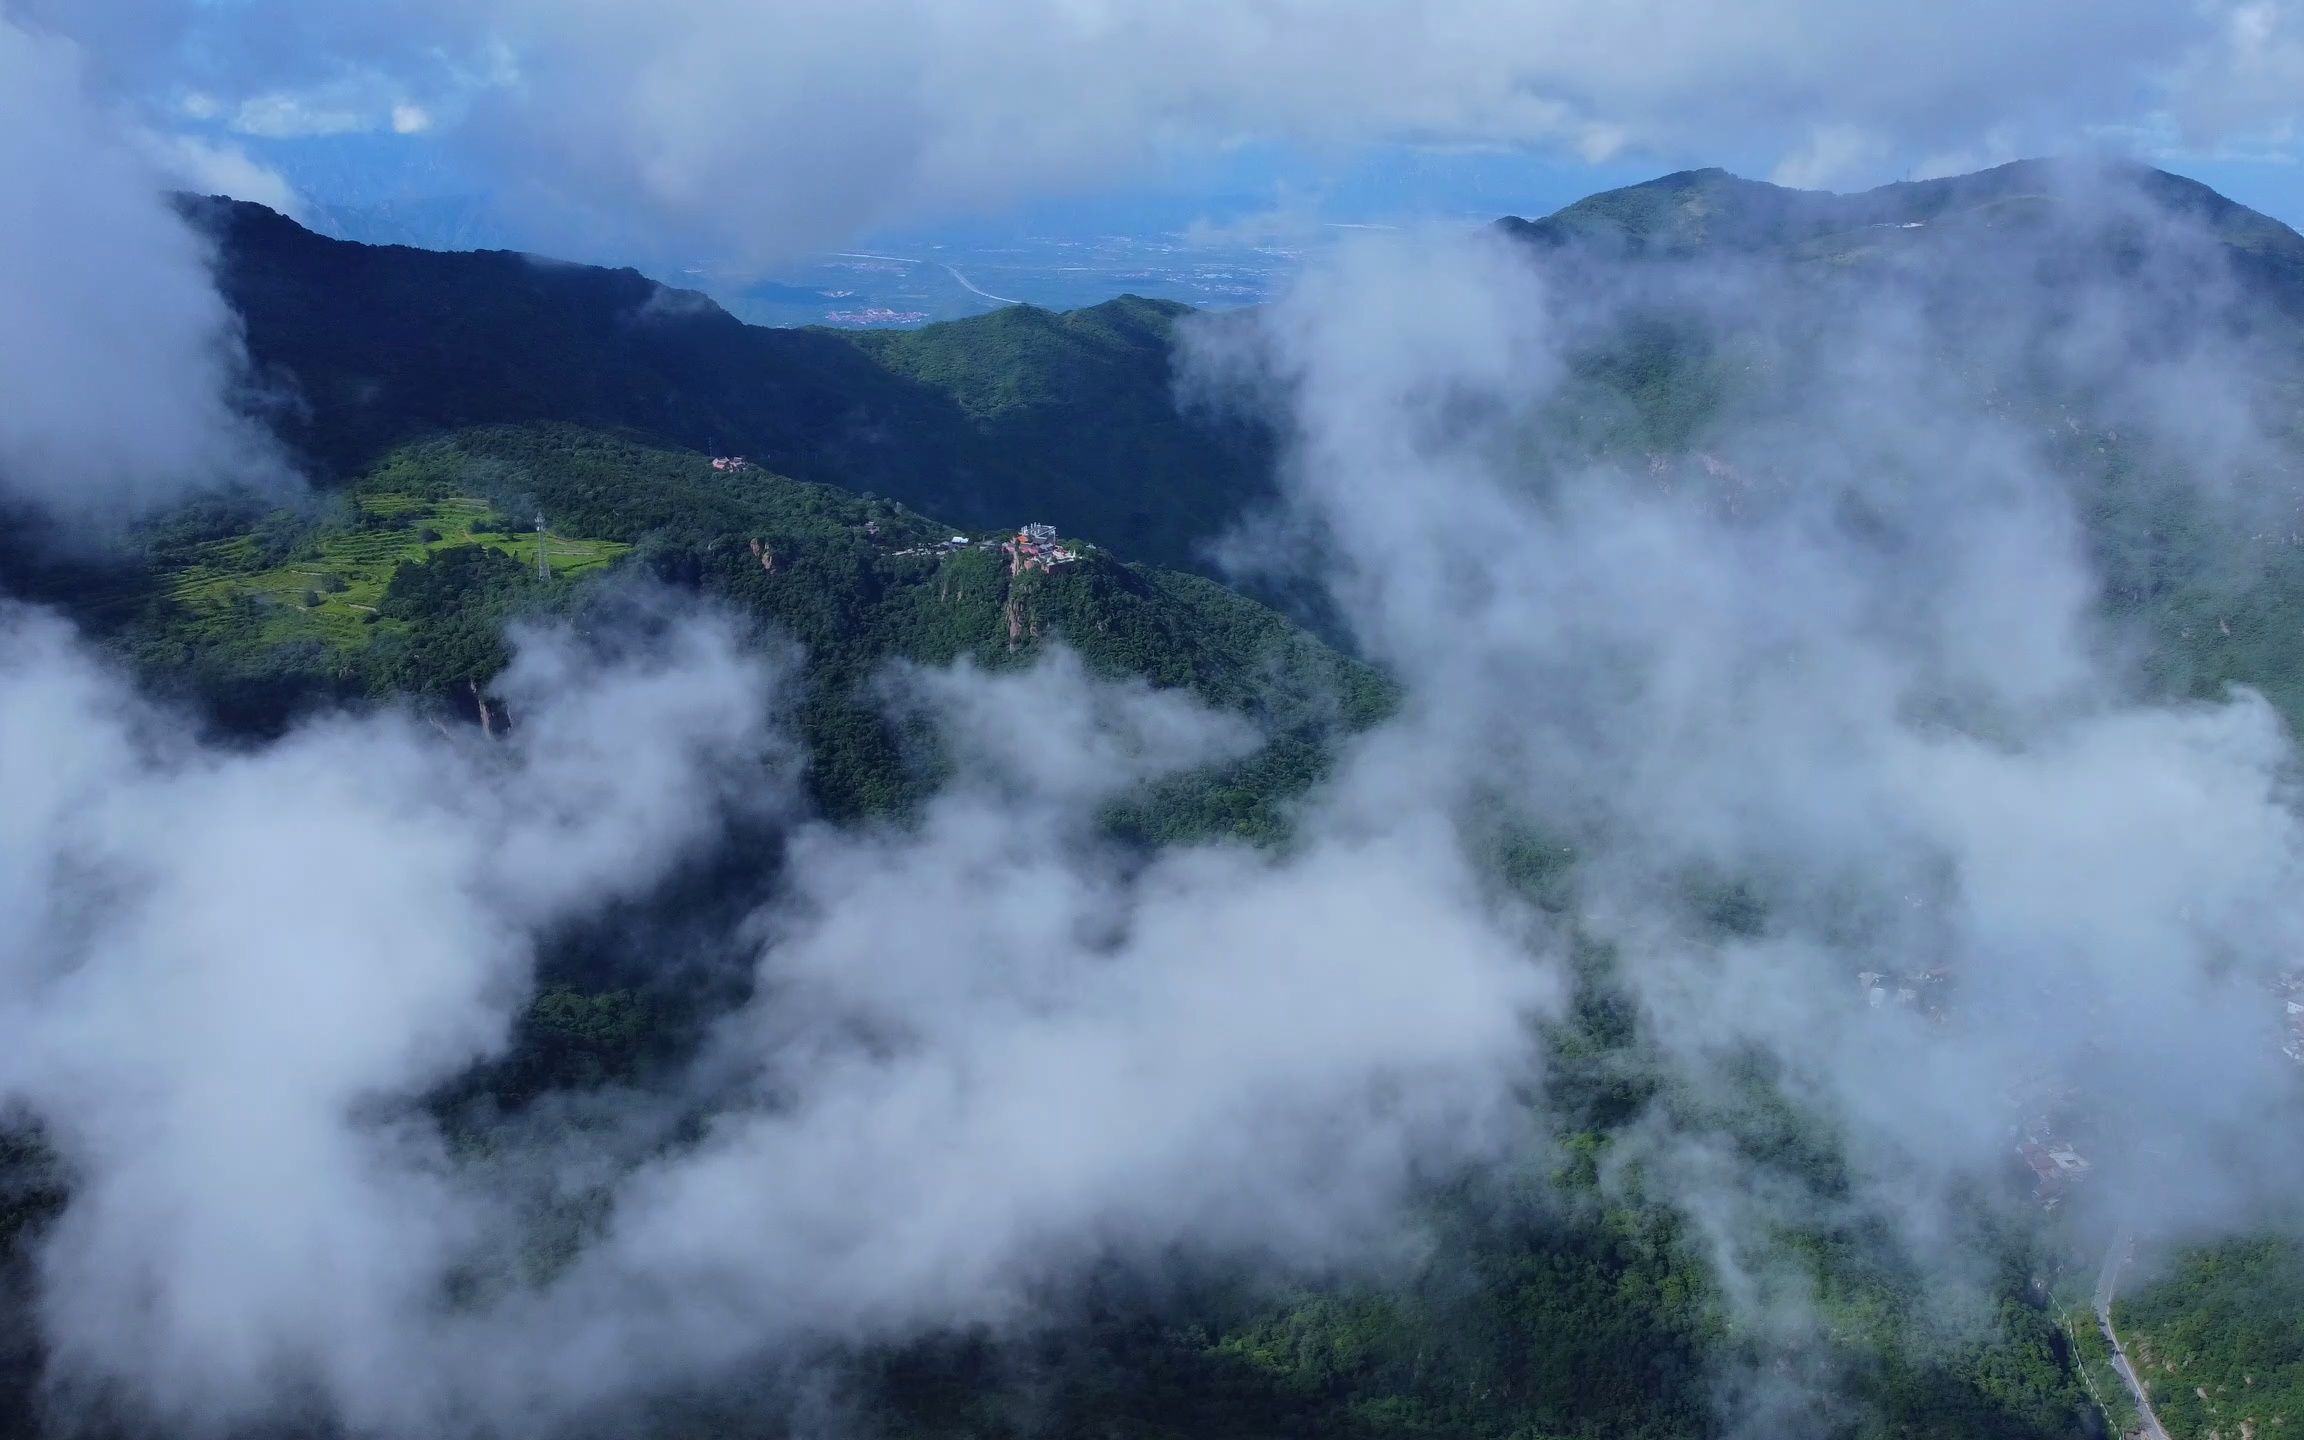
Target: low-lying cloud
121 356
230 976
988 1049
1844 657
1840 654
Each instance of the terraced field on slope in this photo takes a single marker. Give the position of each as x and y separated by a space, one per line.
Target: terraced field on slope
330 589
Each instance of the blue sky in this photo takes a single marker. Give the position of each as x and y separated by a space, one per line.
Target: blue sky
747 132
1371 183
1269 182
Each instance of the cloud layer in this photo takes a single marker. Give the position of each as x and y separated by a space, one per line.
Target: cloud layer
121 355
229 976
1842 656
1841 652
986 1052
757 131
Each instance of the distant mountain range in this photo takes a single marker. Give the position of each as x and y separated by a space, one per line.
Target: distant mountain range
439 222
1698 211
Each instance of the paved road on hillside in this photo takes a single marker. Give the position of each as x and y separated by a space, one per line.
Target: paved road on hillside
970 287
2106 1280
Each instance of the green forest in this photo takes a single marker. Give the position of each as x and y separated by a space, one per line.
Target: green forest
1557 1306
2218 1336
520 446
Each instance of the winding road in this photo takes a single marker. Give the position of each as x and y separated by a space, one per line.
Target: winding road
970 287
2123 1247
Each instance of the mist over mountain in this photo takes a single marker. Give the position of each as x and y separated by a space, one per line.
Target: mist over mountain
572 866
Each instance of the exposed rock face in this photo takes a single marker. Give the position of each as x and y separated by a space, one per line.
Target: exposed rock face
765 555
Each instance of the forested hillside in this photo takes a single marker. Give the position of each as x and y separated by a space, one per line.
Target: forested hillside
1067 417
1742 285
401 584
1599 1319
499 439
1712 211
2219 1338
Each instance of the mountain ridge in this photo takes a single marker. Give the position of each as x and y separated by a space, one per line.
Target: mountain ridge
1693 212
382 345
454 396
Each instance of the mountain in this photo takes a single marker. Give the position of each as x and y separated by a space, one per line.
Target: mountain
2194 547
446 222
448 400
1016 415
1024 415
1699 211
400 584
1071 418
1723 298
2219 1336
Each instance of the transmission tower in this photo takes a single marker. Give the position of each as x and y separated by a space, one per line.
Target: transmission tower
543 555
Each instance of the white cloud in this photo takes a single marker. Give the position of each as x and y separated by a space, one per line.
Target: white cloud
284 116
2242 80
1993 147
986 1048
120 351
758 129
1849 652
234 974
359 102
1834 156
989 1054
208 167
